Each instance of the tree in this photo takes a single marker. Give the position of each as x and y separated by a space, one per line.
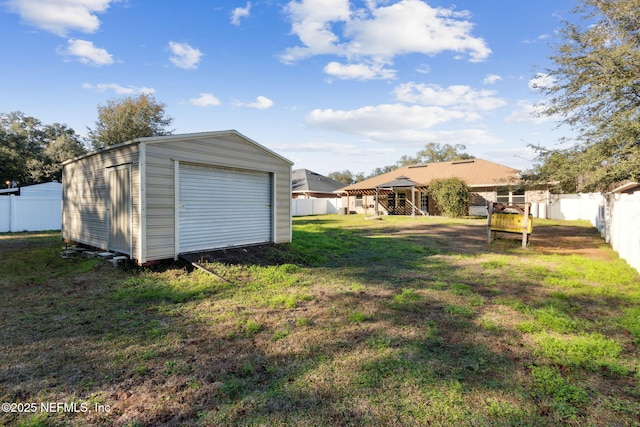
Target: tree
380 171
127 119
346 177
596 90
451 196
557 167
434 152
61 143
31 152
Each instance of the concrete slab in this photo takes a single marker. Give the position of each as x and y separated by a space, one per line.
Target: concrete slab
105 255
118 259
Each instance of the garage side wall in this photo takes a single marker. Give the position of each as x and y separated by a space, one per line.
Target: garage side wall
230 151
85 197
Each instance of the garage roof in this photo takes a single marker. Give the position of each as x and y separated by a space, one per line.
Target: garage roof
183 136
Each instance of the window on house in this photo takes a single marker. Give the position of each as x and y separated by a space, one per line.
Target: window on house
510 196
517 196
424 202
402 199
503 196
359 201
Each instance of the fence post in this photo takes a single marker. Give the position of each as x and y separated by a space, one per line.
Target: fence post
526 223
489 222
12 212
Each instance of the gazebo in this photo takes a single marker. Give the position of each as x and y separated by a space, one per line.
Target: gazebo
400 182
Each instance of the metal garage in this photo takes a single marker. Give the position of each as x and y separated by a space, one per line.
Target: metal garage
156 198
211 201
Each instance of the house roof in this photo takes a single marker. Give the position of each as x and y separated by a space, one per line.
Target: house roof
401 181
474 172
627 187
183 136
304 180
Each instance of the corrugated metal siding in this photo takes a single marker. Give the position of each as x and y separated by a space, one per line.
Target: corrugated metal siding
223 207
85 196
229 151
283 206
120 210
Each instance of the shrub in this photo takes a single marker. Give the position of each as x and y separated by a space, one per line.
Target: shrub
451 196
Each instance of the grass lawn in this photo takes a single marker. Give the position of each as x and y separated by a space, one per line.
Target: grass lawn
401 321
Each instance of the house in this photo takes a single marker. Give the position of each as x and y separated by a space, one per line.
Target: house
306 184
156 198
404 190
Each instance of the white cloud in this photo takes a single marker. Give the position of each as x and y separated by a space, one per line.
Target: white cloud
311 21
61 16
412 26
456 96
542 81
332 147
261 103
463 136
205 100
377 34
528 113
85 52
374 121
120 90
491 79
184 56
540 37
358 71
240 12
424 69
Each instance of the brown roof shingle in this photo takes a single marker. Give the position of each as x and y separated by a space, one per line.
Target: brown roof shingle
474 172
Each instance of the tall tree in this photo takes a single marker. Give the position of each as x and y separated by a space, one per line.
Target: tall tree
60 143
380 170
346 176
129 118
596 90
434 152
16 131
32 152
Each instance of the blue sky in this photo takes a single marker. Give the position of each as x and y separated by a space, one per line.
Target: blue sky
329 84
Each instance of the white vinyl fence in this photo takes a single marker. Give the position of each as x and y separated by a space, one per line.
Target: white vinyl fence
615 215
584 206
620 226
303 207
24 213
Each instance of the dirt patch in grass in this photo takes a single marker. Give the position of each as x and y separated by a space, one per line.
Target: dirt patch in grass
250 255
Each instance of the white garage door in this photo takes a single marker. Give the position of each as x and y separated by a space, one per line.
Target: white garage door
220 208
